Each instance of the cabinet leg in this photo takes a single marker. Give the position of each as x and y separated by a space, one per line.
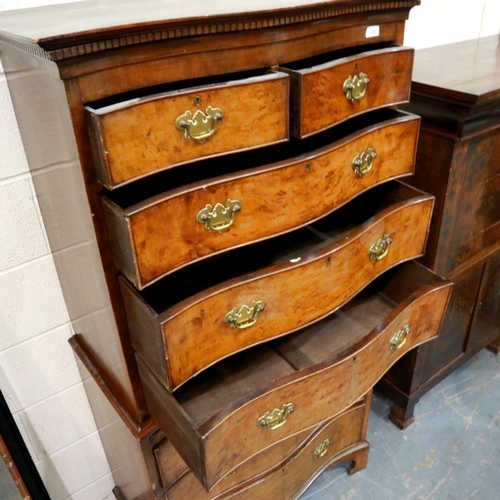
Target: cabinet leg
495 346
402 416
359 460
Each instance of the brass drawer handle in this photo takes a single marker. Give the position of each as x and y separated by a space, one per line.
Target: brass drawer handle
199 126
321 449
363 162
219 217
355 87
274 419
400 338
245 316
380 248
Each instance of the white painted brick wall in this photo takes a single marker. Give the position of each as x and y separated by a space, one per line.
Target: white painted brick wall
74 468
30 298
38 373
20 223
46 435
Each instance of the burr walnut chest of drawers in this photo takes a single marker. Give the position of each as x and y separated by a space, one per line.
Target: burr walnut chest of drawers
456 90
244 275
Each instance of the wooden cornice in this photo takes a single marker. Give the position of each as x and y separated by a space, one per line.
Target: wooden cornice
94 41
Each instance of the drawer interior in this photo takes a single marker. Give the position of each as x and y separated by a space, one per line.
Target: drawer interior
225 382
328 57
132 197
126 98
352 322
293 247
236 379
315 377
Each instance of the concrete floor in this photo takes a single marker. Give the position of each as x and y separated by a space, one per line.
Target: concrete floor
451 452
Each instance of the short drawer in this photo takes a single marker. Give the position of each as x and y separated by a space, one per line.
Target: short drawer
283 468
330 89
216 214
265 291
137 137
250 401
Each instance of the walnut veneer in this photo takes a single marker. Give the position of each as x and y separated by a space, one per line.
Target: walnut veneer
244 280
456 90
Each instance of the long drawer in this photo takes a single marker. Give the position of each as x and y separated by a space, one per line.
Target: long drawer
216 214
206 312
136 137
252 400
282 469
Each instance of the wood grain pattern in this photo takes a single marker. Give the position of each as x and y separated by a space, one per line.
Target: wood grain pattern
456 90
296 476
317 392
463 176
169 472
472 78
137 138
319 101
185 483
275 199
102 346
194 334
477 220
344 431
104 49
172 61
72 30
433 176
413 376
183 433
452 337
326 391
485 326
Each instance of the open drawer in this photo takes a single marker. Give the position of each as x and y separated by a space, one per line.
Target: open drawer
285 469
136 137
211 208
210 310
328 89
259 397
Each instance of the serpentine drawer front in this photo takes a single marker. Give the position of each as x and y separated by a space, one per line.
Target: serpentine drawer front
286 466
226 180
328 89
275 287
216 214
252 400
136 138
